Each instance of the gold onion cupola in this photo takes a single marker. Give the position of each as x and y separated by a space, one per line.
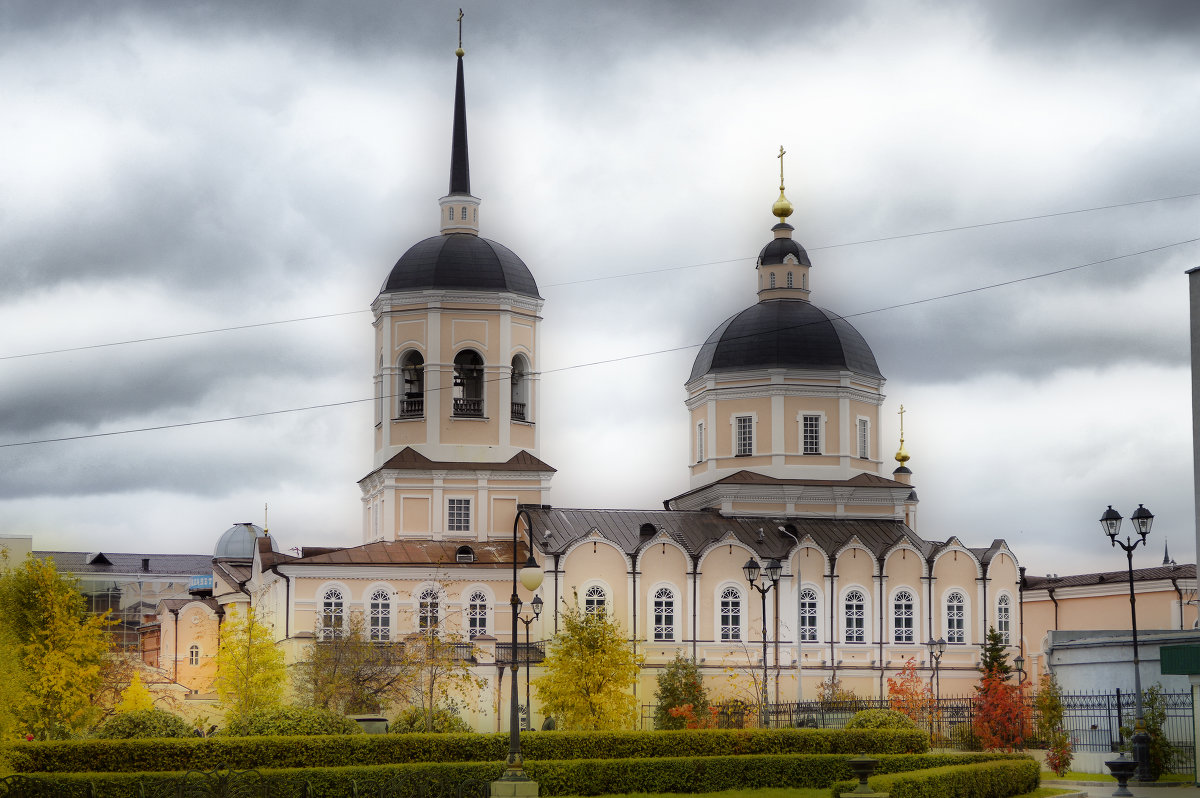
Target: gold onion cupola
783 264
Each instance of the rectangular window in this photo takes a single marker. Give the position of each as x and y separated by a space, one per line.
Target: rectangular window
864 439
458 515
744 434
700 442
812 434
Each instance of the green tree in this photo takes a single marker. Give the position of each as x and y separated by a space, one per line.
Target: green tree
441 677
250 669
995 657
350 674
136 696
53 652
588 677
679 685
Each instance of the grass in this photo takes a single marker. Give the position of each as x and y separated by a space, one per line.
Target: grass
1074 775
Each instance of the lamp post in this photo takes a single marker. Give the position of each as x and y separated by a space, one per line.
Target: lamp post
1110 522
936 649
531 577
751 569
537 611
1019 662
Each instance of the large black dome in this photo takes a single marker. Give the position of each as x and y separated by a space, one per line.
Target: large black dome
785 333
462 262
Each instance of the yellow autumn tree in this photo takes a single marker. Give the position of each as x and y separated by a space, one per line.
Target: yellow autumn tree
250 670
589 673
136 696
54 651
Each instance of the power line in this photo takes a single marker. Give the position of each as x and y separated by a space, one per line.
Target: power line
623 275
389 396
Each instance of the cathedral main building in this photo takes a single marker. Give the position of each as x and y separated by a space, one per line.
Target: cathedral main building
788 477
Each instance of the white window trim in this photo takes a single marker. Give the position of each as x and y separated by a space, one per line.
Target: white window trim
734 434
1011 615
489 604
866 594
858 452
820 611
945 618
368 594
415 603
699 454
470 500
820 429
676 611
199 654
608 595
743 612
916 626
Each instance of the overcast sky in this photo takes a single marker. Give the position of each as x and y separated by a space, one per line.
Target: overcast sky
172 168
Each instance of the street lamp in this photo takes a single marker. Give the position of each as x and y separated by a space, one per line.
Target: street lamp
537 611
1110 522
531 577
751 569
1019 662
936 649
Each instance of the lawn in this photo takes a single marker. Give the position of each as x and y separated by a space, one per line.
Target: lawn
1072 775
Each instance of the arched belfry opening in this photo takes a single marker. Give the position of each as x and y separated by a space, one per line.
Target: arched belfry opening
412 386
520 389
468 384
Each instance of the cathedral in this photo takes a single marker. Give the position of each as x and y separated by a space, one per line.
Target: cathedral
791 491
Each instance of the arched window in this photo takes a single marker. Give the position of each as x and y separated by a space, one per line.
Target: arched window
664 614
468 384
772 279
594 600
804 280
428 609
856 617
1004 619
333 614
520 388
412 386
450 214
808 615
902 616
731 613
464 213
380 608
956 618
477 613
789 280
193 654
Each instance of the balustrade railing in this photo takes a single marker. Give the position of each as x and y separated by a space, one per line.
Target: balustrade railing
518 411
471 408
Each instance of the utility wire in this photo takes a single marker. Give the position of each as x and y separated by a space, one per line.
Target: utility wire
389 396
193 333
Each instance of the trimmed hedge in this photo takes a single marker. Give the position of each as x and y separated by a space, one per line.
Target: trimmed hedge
572 777
981 780
73 756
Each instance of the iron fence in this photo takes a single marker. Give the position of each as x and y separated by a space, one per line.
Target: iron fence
1093 720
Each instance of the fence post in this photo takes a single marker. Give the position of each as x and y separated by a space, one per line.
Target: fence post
1120 722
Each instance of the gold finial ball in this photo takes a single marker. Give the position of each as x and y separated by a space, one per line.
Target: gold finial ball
782 207
902 456
460 52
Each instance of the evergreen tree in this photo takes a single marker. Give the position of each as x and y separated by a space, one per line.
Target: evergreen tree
588 677
52 651
679 685
995 658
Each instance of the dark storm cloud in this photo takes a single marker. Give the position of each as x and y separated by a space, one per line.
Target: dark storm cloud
1086 22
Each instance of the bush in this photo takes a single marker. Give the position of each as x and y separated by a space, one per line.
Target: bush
143 723
378 749
964 738
291 721
994 779
880 719
445 721
679 685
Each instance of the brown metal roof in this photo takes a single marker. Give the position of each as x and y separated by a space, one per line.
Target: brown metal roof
410 459
442 553
744 477
1160 572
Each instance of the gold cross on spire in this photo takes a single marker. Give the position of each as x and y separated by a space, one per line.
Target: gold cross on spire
782 152
460 16
901 414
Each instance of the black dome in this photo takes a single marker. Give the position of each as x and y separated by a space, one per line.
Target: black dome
779 248
463 262
785 333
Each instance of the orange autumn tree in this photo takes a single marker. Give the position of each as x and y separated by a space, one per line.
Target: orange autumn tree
1002 716
912 695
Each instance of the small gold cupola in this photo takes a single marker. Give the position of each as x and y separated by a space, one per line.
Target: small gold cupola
783 206
902 472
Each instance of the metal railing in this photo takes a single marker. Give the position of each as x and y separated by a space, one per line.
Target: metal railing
527 653
412 408
518 411
472 408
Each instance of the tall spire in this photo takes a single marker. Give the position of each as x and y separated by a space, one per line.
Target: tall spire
459 210
460 169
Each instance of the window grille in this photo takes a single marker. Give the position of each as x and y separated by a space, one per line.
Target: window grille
745 435
664 614
380 608
477 614
855 617
333 614
1004 619
902 614
458 515
731 614
956 617
864 438
812 434
808 615
594 600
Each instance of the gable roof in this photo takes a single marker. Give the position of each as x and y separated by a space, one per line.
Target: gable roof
440 553
409 458
82 562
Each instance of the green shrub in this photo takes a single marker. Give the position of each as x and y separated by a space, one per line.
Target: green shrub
985 779
574 777
141 723
964 738
880 719
378 749
291 721
445 721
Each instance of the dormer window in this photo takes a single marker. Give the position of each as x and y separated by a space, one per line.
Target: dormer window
465 554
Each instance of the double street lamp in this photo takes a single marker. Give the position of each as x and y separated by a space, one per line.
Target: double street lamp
1142 519
936 649
752 569
531 577
536 604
